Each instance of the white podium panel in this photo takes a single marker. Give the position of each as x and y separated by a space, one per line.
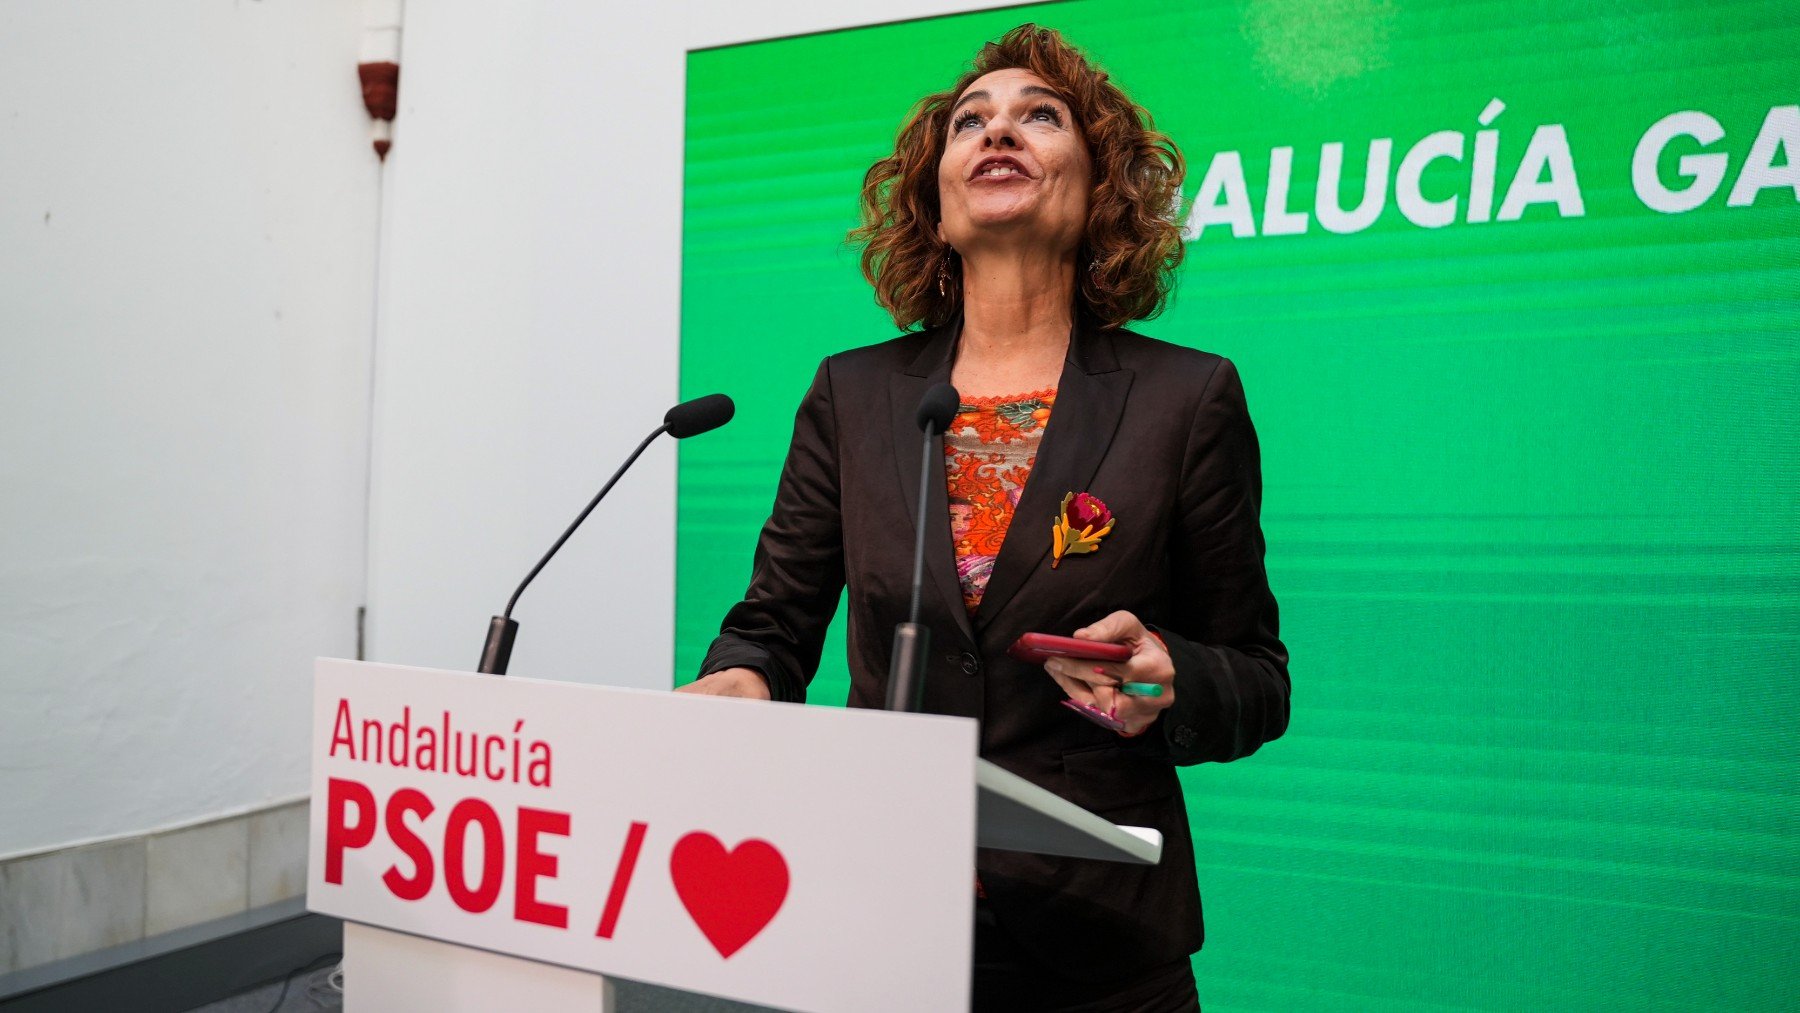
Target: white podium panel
390 972
807 858
1016 815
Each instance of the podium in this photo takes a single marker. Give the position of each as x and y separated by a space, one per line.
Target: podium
506 843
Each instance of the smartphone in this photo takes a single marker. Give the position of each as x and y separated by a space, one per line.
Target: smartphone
1096 715
1038 648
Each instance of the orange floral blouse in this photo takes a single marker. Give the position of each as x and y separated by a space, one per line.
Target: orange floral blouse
988 455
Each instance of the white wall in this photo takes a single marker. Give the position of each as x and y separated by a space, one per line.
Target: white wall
187 211
530 315
188 208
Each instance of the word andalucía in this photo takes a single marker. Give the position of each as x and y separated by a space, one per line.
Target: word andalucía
1545 175
441 748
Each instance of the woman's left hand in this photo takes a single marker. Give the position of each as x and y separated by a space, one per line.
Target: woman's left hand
1097 682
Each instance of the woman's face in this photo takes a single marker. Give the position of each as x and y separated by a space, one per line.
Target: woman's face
1016 168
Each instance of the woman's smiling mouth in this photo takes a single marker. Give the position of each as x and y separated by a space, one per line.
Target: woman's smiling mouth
999 167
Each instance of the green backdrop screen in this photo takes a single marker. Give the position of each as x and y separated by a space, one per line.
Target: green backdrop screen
1524 370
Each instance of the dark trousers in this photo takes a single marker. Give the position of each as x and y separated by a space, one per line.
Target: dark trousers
1008 980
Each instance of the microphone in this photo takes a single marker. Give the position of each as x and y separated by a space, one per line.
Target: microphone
701 415
937 408
912 641
689 418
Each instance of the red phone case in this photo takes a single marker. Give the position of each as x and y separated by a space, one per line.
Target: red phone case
1038 648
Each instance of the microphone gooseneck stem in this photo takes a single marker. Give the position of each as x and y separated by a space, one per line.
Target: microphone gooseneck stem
514 600
919 537
496 650
906 668
912 641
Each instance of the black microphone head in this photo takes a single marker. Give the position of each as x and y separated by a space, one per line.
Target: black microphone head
701 415
938 407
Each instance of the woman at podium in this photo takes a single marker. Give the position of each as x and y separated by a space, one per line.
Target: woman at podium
1096 482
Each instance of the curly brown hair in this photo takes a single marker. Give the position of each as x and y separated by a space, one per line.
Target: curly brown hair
1132 239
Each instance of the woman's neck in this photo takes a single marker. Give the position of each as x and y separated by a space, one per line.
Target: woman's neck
1017 313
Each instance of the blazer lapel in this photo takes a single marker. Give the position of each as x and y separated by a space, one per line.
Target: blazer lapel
932 366
1090 399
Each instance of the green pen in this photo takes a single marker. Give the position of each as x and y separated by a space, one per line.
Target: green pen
1140 689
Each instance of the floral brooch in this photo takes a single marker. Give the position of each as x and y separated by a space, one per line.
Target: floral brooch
1084 520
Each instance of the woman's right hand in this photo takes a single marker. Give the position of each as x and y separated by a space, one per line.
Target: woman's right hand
740 682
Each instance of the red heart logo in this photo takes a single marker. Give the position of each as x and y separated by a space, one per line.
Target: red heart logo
732 894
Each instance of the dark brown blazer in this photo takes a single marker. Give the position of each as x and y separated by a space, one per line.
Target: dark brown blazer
1161 434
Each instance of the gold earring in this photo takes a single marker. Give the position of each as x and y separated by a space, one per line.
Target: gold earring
944 276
